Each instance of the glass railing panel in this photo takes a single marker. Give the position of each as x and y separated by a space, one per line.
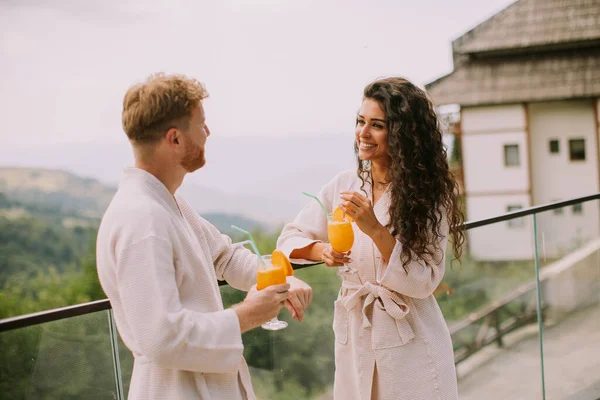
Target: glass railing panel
126 365
568 242
296 362
490 305
66 359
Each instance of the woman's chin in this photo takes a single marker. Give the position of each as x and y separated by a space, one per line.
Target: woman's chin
364 156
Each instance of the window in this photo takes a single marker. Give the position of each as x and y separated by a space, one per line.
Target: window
577 149
511 155
577 209
516 222
554 146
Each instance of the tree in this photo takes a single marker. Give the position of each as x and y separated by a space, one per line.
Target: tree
455 156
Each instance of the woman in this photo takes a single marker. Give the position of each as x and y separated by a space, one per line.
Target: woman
391 340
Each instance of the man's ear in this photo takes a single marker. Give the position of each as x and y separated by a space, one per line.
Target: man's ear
172 136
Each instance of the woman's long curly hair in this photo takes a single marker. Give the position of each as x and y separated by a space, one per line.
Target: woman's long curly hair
421 184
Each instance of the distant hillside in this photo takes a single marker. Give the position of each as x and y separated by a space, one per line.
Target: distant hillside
76 200
223 222
55 191
258 177
49 219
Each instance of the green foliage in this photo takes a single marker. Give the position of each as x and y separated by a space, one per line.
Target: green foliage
4 202
477 283
47 263
455 156
28 245
297 362
65 359
57 360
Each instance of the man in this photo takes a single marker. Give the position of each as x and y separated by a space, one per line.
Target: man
159 261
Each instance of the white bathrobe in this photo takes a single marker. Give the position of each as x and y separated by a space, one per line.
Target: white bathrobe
392 321
158 263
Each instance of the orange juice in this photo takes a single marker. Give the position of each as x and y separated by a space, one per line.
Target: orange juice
269 276
341 235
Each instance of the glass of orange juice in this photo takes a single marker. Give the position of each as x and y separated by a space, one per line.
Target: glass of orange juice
269 275
341 238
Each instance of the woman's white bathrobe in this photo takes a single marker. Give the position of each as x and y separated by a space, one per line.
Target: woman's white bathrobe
391 321
158 263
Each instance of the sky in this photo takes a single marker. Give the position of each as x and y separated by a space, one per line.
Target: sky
285 80
272 67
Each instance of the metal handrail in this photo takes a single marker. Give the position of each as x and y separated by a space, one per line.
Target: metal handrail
41 317
531 210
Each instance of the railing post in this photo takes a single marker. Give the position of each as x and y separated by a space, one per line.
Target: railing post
114 343
539 303
497 327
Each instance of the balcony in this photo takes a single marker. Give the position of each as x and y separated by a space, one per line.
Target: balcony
523 310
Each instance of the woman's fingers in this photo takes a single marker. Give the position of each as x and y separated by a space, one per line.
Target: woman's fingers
356 198
341 257
351 212
330 261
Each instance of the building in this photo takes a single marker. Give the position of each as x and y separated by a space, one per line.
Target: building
528 84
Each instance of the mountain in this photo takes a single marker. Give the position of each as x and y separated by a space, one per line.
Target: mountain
73 199
59 191
49 220
256 177
88 197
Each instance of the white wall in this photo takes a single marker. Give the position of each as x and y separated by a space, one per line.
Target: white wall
573 282
483 160
493 118
559 234
485 132
556 177
491 186
500 241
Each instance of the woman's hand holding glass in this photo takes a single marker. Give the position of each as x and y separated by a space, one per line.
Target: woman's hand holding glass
333 258
359 207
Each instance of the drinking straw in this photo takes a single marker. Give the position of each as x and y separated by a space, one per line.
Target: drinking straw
321 204
252 243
